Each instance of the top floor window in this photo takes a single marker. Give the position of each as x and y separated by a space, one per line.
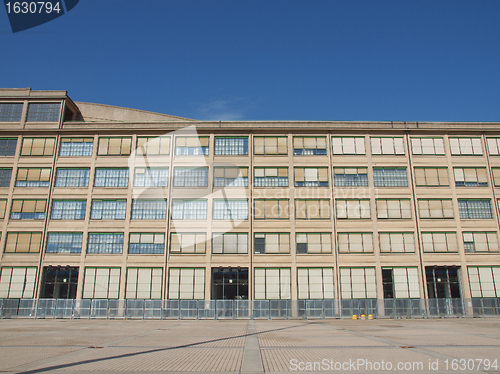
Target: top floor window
74 147
466 146
493 146
227 146
427 146
388 146
11 112
153 145
348 145
191 146
309 145
43 112
270 145
38 146
114 146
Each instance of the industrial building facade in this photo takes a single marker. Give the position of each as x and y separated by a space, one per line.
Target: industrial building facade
100 202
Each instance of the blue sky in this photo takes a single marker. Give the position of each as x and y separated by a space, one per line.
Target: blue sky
374 60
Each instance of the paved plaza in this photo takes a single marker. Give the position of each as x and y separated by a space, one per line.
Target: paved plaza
250 346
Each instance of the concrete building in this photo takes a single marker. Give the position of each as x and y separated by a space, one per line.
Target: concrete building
102 202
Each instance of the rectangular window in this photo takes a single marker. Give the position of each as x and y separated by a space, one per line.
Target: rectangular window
400 283
76 147
355 242
151 177
311 243
271 243
17 283
484 281
23 242
270 145
186 284
114 146
38 146
188 242
427 146
311 177
439 242
493 146
144 283
8 146
231 146
105 243
111 177
353 209
435 209
348 145
101 283
68 209
189 209
11 112
190 177
397 242
28 209
470 177
64 242
315 283
273 284
270 177
153 145
388 145
43 112
108 209
191 146
466 146
229 243
72 177
309 145
390 177
393 209
480 242
475 209
5 177
496 176
431 177
312 209
145 243
149 209
350 177
33 177
358 283
271 209
3 205
230 177
230 209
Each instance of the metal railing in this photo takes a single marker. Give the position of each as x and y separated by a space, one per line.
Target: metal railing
247 309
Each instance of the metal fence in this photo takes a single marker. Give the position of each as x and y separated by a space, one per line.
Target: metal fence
247 309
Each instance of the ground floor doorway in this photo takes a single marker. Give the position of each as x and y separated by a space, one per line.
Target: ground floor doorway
59 282
229 283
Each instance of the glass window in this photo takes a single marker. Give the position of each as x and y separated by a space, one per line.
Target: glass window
23 242
72 177
353 209
3 206
493 146
101 283
390 177
76 147
190 177
313 242
38 146
271 209
231 146
188 242
17 282
470 177
348 145
230 177
400 283
223 243
272 284
466 146
311 177
271 243
484 281
496 176
480 242
151 177
8 146
475 209
191 146
350 177
439 242
186 284
397 242
153 145
111 177
309 145
431 177
427 146
393 209
105 243
11 112
43 112
355 242
358 283
149 209
108 209
64 242
315 283
189 209
114 146
435 208
270 177
312 209
5 177
144 283
388 145
33 177
68 209
230 209
270 145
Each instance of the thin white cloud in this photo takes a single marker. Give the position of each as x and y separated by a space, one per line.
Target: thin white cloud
221 110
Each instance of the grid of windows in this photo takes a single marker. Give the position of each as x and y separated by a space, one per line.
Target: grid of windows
11 112
397 242
470 177
191 146
390 177
189 209
270 177
273 284
188 242
151 177
230 177
427 146
270 145
153 145
309 145
358 283
8 146
186 284
271 243
146 243
493 146
480 242
311 177
64 242
5 177
23 242
307 242
230 209
387 146
28 209
393 209
227 243
271 209
43 112
105 243
33 177
400 283
76 147
144 283
119 146
475 209
111 177
108 209
17 283
312 209
355 242
484 281
439 242
349 145
315 283
101 283
435 208
231 146
38 146
466 146
149 209
431 177
190 177
72 177
353 209
68 209
350 177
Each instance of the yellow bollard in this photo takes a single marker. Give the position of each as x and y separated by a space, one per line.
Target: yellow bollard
354 316
370 316
363 316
